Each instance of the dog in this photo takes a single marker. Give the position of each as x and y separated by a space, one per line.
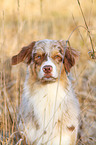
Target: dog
49 110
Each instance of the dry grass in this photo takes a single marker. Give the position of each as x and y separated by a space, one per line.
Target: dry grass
23 21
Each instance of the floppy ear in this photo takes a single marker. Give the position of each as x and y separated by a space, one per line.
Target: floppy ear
24 54
70 57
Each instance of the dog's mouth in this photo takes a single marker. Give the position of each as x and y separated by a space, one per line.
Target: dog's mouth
48 78
48 75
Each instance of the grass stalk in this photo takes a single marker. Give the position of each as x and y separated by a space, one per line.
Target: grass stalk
91 41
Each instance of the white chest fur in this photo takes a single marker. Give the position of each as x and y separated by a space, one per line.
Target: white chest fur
50 104
48 100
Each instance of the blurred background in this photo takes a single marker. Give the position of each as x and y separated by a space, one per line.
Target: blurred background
23 21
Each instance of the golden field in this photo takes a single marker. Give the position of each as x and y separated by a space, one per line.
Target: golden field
23 21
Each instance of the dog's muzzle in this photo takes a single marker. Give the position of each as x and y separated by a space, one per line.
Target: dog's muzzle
48 71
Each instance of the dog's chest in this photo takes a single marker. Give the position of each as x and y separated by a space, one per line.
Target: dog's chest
45 110
48 103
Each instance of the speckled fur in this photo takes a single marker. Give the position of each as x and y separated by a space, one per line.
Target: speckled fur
49 110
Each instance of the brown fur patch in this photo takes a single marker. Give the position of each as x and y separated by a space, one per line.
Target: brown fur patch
70 57
56 55
63 78
38 58
71 128
23 55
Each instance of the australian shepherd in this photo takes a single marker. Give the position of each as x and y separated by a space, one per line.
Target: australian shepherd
49 110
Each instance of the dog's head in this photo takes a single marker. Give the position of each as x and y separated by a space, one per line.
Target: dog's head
45 57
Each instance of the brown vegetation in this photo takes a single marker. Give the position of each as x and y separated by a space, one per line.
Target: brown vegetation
23 21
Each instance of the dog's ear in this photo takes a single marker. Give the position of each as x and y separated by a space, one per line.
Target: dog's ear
24 55
70 57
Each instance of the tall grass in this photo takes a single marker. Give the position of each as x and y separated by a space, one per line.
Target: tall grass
23 21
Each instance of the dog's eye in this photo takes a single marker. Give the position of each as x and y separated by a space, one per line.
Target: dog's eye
58 58
38 58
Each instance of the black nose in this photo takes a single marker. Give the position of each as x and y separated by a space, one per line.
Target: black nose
47 69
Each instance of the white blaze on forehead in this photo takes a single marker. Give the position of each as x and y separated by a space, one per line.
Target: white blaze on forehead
48 62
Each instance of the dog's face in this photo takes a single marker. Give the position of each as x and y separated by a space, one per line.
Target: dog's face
45 58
